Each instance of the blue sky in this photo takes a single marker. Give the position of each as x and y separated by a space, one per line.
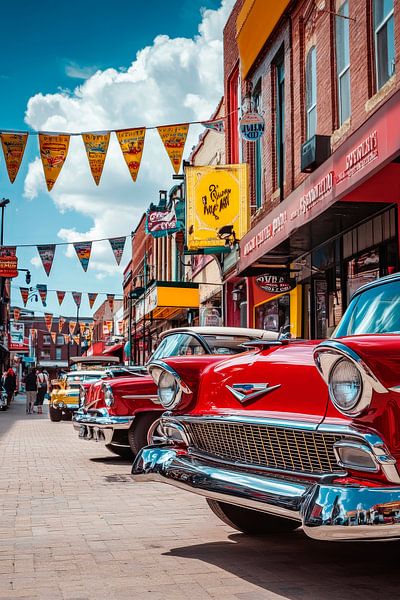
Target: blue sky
51 52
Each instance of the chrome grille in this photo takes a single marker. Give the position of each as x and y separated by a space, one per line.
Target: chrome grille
265 446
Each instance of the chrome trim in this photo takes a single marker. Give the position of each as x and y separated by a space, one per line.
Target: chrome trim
156 369
327 355
326 510
141 397
395 388
104 421
161 438
260 390
306 425
358 446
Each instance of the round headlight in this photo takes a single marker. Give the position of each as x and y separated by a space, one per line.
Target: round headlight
345 385
108 396
167 389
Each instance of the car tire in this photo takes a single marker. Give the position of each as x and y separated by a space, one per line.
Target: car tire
121 451
67 416
250 521
137 434
55 414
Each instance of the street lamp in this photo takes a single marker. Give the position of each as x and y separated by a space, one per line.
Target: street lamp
3 204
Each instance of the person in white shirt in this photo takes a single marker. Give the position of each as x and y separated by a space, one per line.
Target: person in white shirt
42 387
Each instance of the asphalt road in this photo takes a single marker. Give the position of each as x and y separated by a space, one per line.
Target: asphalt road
74 526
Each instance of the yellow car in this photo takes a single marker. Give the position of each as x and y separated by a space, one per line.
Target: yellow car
64 397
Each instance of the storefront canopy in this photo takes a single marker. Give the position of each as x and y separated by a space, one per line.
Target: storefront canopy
165 299
254 25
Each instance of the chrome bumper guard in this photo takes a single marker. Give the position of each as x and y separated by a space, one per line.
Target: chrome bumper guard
326 510
100 427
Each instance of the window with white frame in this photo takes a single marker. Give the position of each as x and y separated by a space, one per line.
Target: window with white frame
343 62
60 340
384 41
311 92
58 353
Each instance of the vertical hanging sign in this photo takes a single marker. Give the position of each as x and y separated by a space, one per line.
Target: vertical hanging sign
53 152
110 298
131 142
96 146
174 137
13 148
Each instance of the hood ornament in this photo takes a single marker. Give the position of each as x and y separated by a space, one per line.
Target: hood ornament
248 392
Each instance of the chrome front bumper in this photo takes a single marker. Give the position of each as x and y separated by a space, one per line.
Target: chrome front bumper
326 510
100 427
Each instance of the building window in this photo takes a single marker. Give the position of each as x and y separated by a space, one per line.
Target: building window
60 340
280 122
258 149
384 41
58 353
343 62
45 354
46 340
311 92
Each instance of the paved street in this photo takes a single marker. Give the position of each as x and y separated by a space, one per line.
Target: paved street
74 526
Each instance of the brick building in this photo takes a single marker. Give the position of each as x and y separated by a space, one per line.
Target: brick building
323 190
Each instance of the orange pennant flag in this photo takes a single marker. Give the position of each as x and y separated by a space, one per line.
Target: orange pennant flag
72 325
174 137
53 336
131 142
66 338
76 339
61 322
96 146
13 149
53 152
48 319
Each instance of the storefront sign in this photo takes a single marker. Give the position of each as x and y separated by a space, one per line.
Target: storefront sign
268 232
163 222
8 261
360 156
314 195
252 126
217 205
276 283
18 341
210 316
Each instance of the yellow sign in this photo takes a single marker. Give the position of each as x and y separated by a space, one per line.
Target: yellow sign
53 152
13 148
217 205
174 138
96 146
132 143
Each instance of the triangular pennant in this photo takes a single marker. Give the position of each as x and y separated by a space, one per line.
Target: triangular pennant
17 314
76 339
66 338
174 137
53 336
48 319
83 250
42 289
82 328
24 294
77 296
92 298
217 125
61 322
53 152
72 325
13 149
96 146
131 142
60 296
118 245
46 254
110 298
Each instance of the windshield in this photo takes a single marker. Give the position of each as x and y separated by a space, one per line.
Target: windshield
226 344
77 379
185 344
377 310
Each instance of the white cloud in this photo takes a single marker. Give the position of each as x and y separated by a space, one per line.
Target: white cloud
75 71
171 81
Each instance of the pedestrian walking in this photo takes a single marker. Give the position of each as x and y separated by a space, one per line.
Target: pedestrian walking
9 384
42 380
31 390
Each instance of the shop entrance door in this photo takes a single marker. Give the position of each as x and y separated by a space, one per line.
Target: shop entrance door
319 307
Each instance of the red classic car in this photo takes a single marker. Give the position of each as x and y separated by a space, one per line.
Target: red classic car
119 412
291 433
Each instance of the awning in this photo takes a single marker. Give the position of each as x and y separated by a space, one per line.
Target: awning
166 299
114 349
255 23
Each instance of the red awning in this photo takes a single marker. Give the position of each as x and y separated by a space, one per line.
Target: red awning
112 350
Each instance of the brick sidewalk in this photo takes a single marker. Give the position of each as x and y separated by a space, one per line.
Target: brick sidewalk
74 526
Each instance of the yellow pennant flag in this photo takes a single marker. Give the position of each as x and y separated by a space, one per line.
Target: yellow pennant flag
96 146
13 148
131 142
174 137
53 152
